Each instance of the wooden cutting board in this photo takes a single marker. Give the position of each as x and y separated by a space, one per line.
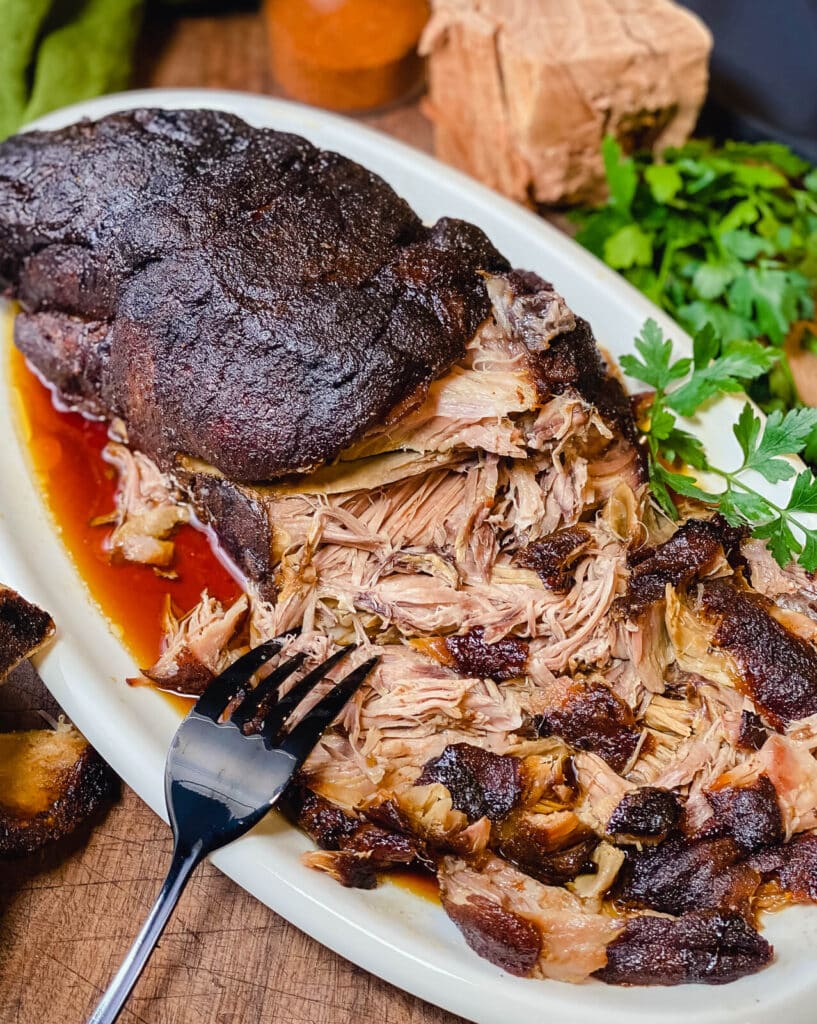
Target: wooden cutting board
68 915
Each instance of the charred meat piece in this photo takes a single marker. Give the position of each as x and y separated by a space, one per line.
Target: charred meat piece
680 875
793 867
779 669
500 936
645 815
51 781
472 656
353 850
481 784
195 645
553 556
428 812
24 629
693 551
705 946
553 848
749 814
231 292
753 733
535 315
589 716
71 351
366 852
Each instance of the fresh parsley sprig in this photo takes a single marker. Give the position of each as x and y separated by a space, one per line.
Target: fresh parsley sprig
680 388
725 235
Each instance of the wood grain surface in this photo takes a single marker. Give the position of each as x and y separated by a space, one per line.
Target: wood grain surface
68 915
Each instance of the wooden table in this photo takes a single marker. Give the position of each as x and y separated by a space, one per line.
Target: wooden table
68 915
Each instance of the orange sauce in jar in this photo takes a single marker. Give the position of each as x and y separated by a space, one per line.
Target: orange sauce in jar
77 486
347 54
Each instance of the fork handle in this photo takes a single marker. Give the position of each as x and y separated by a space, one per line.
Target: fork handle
181 868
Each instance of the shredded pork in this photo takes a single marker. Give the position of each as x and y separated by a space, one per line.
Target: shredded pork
549 646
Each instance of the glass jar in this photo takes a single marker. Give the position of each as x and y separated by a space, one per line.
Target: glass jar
349 55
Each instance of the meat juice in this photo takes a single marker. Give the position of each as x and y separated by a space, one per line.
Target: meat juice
78 486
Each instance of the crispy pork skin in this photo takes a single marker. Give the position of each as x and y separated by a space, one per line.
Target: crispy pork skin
24 629
232 293
705 946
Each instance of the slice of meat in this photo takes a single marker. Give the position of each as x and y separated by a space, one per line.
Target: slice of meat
568 357
481 784
498 935
553 847
791 769
729 634
702 947
521 925
427 812
589 716
267 301
353 851
51 781
24 629
697 548
779 669
680 875
470 655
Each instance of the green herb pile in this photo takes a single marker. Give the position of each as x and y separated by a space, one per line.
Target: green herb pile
683 386
725 236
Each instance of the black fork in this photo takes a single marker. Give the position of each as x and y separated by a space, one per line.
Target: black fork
229 762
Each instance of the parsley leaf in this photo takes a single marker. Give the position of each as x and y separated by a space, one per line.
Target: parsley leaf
655 367
783 435
681 387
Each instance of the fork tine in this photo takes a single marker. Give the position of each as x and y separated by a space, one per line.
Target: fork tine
226 686
308 731
278 714
266 688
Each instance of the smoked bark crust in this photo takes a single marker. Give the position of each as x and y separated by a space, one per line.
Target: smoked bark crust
250 299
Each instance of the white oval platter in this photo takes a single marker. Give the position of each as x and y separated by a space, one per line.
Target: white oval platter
398 936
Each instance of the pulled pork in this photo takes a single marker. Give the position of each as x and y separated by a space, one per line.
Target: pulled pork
576 701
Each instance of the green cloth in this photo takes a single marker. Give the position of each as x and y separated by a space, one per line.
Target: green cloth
56 53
